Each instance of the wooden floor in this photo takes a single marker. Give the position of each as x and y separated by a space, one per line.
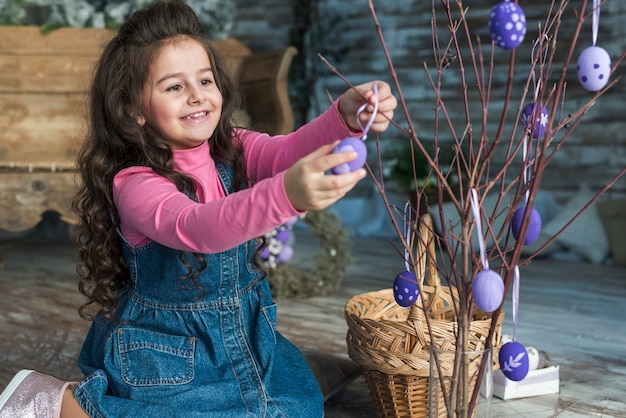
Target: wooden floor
572 312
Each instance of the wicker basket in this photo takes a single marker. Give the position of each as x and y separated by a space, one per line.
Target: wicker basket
391 344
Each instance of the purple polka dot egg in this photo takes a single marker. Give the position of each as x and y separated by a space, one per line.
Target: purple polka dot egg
351 144
507 25
513 360
405 290
541 119
534 224
594 68
487 290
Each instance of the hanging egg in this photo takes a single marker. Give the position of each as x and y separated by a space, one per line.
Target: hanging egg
533 358
351 144
488 290
594 68
541 120
507 24
534 224
405 290
513 360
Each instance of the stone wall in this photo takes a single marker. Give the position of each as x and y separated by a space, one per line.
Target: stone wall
593 154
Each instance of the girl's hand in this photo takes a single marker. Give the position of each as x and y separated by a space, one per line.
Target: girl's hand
308 186
353 99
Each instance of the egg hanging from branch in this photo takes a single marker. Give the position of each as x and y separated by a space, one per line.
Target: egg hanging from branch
488 290
594 68
507 25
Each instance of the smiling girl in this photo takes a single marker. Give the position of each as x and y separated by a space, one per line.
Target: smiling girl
172 199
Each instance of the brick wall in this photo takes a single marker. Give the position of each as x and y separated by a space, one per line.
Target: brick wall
594 154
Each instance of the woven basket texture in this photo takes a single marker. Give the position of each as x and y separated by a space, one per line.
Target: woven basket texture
391 343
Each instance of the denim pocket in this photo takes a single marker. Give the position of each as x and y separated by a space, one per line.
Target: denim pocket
150 358
269 312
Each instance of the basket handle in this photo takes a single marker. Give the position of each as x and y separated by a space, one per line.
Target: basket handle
426 261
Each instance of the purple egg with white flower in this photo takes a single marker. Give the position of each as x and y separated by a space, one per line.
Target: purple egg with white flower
507 24
541 120
487 290
594 68
405 290
534 224
513 360
351 144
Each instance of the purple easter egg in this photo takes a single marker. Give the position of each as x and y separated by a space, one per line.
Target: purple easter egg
541 120
351 144
405 290
488 290
507 24
285 255
513 360
534 224
283 235
291 222
265 253
594 68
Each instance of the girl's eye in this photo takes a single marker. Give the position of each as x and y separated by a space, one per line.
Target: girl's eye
206 82
176 87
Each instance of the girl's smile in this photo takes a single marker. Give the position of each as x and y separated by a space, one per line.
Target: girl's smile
180 96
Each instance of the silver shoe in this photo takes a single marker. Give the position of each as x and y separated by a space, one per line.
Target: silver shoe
31 394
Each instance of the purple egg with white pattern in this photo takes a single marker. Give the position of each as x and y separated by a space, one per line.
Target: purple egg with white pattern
487 290
541 120
351 144
594 68
405 290
534 224
513 360
507 25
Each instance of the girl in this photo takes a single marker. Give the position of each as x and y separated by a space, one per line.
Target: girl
171 201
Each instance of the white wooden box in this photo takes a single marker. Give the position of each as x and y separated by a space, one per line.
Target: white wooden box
538 382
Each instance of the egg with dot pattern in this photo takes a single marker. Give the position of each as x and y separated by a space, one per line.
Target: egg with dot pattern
405 290
507 25
488 290
351 144
513 360
594 68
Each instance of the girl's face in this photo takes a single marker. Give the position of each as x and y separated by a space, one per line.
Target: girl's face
180 96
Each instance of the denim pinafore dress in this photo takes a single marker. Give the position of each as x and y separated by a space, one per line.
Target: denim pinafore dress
180 350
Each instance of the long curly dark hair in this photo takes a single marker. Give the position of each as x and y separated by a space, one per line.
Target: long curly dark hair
116 141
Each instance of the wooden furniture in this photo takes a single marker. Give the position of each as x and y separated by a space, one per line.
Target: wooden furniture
43 80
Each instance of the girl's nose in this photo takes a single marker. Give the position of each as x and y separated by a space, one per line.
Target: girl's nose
197 96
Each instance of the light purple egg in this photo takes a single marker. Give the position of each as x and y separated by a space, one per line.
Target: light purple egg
507 24
291 222
405 290
534 224
594 68
488 290
513 360
351 144
541 120
265 253
285 255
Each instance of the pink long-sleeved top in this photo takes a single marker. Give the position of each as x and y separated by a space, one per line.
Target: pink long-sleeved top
152 209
